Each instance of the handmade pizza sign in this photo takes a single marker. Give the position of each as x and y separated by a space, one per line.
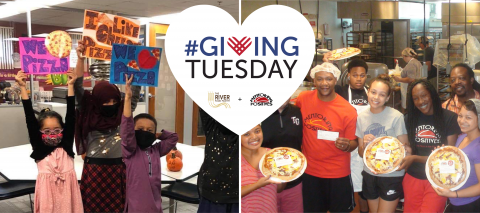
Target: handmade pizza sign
140 61
102 30
36 60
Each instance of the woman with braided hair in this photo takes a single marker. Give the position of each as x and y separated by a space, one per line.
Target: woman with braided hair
428 126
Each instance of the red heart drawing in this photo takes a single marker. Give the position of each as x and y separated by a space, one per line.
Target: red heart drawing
239 46
145 60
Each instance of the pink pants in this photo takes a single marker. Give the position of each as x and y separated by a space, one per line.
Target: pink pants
290 200
420 196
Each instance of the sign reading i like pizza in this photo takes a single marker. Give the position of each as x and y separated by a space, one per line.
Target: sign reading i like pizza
140 61
36 60
102 30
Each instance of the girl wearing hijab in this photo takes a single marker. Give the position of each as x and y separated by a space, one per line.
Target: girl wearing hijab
99 116
411 72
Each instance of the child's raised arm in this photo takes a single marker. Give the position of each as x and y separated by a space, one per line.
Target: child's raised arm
32 122
127 108
69 130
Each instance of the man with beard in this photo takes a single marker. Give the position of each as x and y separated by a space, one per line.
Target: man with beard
464 87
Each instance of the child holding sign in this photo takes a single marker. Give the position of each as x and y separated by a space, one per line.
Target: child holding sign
259 194
143 186
381 190
56 189
98 137
467 198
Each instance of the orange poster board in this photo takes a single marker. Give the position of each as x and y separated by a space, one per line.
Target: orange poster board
101 30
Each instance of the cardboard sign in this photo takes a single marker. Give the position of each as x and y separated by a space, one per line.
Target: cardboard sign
36 60
141 61
102 30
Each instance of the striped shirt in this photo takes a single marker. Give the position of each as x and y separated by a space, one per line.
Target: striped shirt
453 104
261 200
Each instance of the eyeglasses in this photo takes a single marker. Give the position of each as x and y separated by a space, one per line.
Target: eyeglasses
50 131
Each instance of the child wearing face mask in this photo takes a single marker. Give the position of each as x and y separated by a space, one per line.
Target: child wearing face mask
142 158
56 189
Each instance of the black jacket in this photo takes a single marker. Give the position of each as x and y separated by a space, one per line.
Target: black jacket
218 177
40 150
284 130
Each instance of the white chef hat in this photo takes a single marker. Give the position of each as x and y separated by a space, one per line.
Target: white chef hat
477 107
327 67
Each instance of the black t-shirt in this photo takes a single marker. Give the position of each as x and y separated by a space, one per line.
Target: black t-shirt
284 130
427 138
359 96
429 52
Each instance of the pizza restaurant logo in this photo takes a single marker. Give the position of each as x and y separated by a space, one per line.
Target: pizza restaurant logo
376 129
261 99
387 152
450 162
360 102
316 121
427 134
216 97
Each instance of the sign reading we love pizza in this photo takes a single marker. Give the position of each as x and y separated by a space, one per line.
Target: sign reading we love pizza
102 30
36 60
140 61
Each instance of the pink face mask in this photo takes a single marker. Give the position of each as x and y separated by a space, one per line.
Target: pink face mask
52 138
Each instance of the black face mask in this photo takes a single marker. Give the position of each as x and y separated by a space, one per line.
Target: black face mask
144 138
109 110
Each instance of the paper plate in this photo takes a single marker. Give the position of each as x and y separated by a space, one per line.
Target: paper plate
345 57
58 44
365 161
467 161
276 179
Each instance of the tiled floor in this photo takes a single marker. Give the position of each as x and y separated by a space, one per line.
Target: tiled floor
21 204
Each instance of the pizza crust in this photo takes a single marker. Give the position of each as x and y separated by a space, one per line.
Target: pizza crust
267 167
435 157
382 166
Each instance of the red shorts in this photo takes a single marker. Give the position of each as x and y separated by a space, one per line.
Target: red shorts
420 196
290 200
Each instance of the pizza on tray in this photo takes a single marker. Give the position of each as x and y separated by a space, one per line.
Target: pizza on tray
343 53
283 163
447 167
384 154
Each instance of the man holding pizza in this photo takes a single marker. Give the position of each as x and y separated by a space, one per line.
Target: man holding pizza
329 124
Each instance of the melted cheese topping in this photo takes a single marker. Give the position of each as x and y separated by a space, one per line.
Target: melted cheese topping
286 170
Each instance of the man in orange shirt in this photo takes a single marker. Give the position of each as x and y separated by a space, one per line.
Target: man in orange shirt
329 124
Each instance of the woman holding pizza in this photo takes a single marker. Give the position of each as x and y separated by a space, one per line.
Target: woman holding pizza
259 193
99 115
381 190
466 199
428 126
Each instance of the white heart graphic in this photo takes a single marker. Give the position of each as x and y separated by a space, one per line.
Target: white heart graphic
238 100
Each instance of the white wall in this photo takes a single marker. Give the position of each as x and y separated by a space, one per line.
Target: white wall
327 11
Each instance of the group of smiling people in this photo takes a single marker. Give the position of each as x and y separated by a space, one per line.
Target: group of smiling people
358 112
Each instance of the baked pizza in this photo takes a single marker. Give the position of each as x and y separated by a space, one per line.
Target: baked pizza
58 44
343 53
133 64
283 163
447 167
156 53
384 154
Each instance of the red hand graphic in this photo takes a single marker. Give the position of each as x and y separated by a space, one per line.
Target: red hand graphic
239 46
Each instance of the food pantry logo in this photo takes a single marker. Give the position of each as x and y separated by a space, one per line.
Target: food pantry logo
212 98
261 99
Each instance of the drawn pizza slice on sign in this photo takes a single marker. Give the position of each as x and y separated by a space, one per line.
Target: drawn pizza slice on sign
156 53
133 64
146 60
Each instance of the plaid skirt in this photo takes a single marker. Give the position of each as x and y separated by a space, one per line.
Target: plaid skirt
103 185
